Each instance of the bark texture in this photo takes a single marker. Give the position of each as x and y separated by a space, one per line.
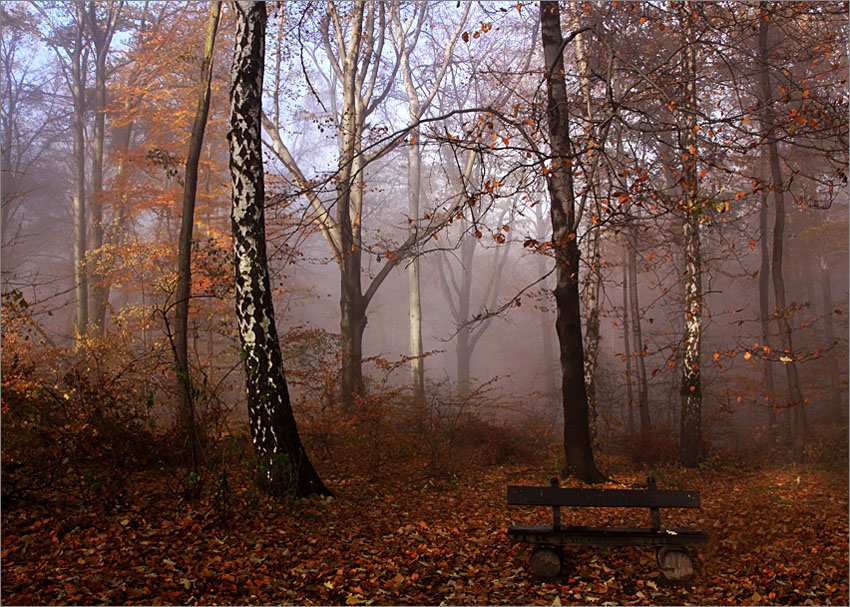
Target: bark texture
690 442
284 466
577 448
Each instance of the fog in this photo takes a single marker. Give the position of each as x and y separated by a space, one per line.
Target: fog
493 251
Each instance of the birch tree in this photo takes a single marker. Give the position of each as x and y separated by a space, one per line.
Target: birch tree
691 420
285 467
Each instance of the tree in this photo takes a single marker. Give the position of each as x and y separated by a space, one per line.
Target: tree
284 463
101 34
690 445
69 45
777 186
353 44
563 209
184 256
405 37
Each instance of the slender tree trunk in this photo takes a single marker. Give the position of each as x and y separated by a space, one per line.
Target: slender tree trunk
592 333
764 311
690 445
78 79
549 363
184 255
414 171
463 362
593 281
577 446
285 467
98 304
414 189
837 412
639 351
546 335
777 185
627 307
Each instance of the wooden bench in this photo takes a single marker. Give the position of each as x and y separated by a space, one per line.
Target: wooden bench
549 540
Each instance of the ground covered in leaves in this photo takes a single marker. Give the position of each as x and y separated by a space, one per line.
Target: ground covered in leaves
779 536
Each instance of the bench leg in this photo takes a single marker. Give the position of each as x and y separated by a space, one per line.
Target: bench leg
545 562
675 563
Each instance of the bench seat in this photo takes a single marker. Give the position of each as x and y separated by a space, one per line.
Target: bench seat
606 536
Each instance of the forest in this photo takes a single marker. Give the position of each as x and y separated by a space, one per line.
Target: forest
293 291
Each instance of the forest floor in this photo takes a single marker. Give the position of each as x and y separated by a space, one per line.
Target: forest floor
778 536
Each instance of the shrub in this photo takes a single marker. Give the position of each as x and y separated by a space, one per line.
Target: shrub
658 446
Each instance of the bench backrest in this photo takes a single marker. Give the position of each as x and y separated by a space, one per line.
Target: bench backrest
611 498
556 497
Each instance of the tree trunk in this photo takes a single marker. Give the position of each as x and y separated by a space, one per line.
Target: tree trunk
184 256
349 198
463 361
837 412
577 448
284 465
592 332
414 171
352 323
78 90
97 305
690 445
546 336
593 281
777 185
638 350
764 312
627 306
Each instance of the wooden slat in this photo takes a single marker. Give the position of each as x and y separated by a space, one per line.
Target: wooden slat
606 536
610 498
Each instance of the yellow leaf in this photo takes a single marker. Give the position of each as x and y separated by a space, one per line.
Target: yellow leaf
747 356
557 600
786 359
